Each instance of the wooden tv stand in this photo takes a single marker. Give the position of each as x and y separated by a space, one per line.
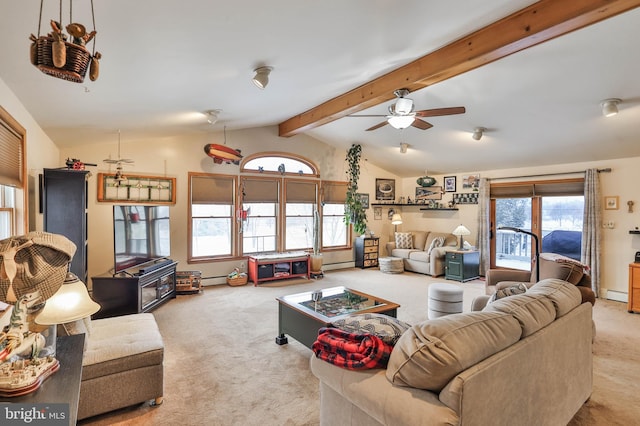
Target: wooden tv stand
278 266
132 293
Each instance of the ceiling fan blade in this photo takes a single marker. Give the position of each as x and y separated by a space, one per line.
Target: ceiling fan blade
377 126
436 112
421 124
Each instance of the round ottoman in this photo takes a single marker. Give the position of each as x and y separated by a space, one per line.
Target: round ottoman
444 299
391 265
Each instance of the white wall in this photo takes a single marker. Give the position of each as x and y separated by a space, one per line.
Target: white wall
175 157
41 152
618 246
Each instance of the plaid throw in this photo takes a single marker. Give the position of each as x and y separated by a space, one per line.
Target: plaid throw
351 351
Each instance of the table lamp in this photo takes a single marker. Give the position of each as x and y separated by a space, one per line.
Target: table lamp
70 303
396 220
460 231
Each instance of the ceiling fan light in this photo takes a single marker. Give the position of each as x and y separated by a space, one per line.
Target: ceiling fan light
261 79
610 107
403 106
401 121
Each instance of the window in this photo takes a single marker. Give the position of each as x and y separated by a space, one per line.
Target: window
279 163
552 210
13 204
300 204
335 233
268 208
260 201
211 213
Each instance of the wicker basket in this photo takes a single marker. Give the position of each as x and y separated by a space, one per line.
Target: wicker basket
78 60
240 280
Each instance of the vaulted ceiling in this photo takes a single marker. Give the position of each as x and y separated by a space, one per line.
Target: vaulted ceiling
533 74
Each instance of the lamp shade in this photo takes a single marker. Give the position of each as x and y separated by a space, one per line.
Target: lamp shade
396 219
461 230
70 303
401 121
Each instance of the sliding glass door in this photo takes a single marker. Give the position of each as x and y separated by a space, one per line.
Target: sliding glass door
552 211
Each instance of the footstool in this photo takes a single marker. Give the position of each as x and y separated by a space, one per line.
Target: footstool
444 299
391 265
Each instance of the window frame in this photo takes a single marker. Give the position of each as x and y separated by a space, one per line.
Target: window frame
536 191
233 222
281 179
20 189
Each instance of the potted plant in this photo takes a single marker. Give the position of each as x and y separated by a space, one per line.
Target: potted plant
354 213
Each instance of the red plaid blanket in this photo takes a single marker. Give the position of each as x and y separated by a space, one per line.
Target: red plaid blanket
351 351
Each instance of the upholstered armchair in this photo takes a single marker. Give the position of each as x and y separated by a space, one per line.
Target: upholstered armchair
551 266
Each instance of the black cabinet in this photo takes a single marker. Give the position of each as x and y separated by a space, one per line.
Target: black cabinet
367 252
462 265
64 197
128 293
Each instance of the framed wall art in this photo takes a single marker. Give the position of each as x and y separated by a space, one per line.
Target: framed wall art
449 184
385 189
471 182
429 193
611 202
136 189
364 200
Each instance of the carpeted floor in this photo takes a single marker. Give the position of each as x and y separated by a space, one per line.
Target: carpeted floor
222 366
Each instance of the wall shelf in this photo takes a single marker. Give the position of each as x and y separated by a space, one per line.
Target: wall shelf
422 206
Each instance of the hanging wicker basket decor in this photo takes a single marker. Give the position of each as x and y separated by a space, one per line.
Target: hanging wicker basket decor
63 55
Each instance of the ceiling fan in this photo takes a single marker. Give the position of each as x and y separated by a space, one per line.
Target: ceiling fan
119 177
402 113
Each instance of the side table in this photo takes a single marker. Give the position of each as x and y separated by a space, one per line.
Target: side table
462 265
63 386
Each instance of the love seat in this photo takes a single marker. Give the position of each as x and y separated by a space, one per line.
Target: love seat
422 251
525 359
122 364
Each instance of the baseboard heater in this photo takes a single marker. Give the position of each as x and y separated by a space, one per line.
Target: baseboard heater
618 296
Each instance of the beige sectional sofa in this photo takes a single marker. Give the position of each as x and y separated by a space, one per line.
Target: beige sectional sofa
419 257
524 359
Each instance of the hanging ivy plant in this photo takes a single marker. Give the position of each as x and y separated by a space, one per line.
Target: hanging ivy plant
354 213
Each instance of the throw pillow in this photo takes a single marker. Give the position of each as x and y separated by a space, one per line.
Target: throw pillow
437 242
509 291
387 328
404 240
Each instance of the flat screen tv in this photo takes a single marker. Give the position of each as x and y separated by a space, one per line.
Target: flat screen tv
140 235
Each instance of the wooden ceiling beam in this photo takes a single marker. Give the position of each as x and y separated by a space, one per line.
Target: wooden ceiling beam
540 22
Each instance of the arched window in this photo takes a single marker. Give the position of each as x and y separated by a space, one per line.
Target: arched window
279 163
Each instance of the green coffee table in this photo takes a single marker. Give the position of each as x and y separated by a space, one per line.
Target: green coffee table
301 315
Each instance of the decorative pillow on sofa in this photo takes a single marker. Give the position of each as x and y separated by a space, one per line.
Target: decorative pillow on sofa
387 328
508 291
430 354
404 240
436 242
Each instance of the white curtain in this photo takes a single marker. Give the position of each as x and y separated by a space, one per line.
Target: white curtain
484 225
591 227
